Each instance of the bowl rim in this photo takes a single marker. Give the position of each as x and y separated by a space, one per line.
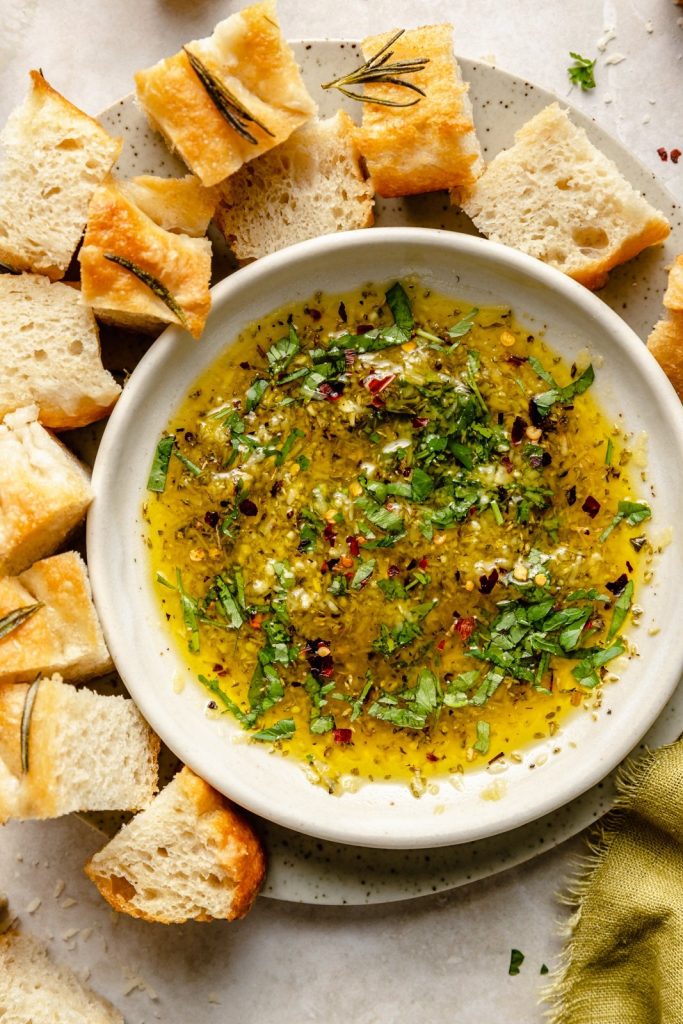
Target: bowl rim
236 788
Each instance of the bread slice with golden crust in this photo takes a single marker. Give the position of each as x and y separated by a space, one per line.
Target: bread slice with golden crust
36 990
666 340
118 227
190 855
431 145
555 196
246 56
63 635
175 204
80 751
310 185
52 157
50 353
44 491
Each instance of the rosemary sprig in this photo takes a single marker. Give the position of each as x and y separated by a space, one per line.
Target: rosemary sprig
227 104
154 285
377 69
15 618
26 715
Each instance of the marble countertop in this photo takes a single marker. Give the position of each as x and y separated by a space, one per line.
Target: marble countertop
438 958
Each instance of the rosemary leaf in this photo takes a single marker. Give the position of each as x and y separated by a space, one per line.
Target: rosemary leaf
26 715
227 104
15 618
154 285
377 69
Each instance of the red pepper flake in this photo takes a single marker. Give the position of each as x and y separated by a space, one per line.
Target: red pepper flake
377 402
518 428
330 534
516 360
324 567
591 506
343 735
424 562
431 756
248 507
420 421
506 461
354 546
332 392
618 585
465 627
392 571
255 621
441 644
377 384
211 519
663 155
487 583
675 156
319 656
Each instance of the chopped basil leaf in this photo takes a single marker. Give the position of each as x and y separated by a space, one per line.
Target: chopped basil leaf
363 573
399 304
483 740
188 607
255 393
621 609
464 325
282 730
564 395
281 353
159 470
631 512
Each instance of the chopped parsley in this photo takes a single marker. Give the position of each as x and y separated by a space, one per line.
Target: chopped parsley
582 71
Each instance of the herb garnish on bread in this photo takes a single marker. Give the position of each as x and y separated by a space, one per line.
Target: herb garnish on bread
190 855
67 749
45 491
245 59
137 274
63 634
52 157
666 340
51 353
432 144
310 185
555 196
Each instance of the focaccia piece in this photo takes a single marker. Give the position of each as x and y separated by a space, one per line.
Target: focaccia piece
52 157
35 989
248 59
175 204
45 491
182 265
50 353
189 856
666 340
310 185
431 145
82 752
555 196
64 635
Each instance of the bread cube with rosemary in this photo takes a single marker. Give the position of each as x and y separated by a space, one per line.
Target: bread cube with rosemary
48 623
139 273
310 185
189 856
70 749
51 353
666 339
224 100
52 157
555 196
419 136
45 491
36 989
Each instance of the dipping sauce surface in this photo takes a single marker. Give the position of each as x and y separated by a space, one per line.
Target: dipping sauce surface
395 535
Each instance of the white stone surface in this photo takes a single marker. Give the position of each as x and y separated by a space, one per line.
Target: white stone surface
437 959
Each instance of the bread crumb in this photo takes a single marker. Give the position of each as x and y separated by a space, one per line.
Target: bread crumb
649 27
646 119
608 99
33 906
609 35
70 933
85 934
213 997
60 886
68 902
616 58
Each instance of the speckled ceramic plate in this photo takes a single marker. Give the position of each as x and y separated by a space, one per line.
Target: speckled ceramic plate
307 870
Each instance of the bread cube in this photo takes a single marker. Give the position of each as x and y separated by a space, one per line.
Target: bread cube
666 339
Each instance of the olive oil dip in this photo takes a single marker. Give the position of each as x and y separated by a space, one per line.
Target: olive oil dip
395 535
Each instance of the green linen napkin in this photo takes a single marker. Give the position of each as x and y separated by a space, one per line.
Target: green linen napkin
623 963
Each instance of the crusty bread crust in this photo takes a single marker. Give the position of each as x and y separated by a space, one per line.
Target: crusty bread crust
64 635
175 204
183 264
237 854
431 145
666 345
70 153
249 56
673 296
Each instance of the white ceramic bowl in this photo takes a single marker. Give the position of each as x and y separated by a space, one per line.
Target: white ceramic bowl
629 385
